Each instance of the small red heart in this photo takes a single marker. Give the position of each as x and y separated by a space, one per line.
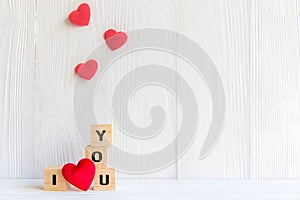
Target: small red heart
82 175
114 39
87 70
81 16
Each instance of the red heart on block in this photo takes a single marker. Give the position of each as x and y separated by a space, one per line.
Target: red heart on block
82 175
114 39
81 16
87 70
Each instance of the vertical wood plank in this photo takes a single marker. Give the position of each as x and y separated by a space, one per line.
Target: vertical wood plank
275 144
60 47
16 88
130 15
222 29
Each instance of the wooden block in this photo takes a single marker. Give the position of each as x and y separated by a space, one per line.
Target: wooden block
54 180
105 179
98 154
101 135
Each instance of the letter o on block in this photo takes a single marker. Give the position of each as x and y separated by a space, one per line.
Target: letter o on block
98 154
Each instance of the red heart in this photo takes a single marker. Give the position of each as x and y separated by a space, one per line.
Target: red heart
82 175
81 16
87 70
114 39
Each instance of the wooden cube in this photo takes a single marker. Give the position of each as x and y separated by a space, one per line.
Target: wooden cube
105 179
101 135
54 180
97 154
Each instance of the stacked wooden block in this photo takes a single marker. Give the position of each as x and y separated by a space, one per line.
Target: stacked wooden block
105 177
101 140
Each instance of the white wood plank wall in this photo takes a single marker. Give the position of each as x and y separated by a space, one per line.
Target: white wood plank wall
253 43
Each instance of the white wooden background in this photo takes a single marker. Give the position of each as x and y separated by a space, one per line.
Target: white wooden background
254 44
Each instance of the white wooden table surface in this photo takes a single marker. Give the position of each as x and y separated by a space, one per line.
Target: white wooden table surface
159 189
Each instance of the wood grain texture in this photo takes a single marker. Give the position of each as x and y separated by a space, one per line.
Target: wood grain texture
130 15
275 89
253 43
60 46
98 154
17 85
101 135
223 31
54 180
105 179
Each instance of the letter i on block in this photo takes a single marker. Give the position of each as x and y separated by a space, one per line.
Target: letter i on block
101 135
105 179
54 180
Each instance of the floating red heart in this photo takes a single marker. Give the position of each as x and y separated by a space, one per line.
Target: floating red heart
82 175
81 16
87 70
114 39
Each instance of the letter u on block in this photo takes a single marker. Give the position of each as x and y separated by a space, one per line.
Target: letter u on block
101 182
105 179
